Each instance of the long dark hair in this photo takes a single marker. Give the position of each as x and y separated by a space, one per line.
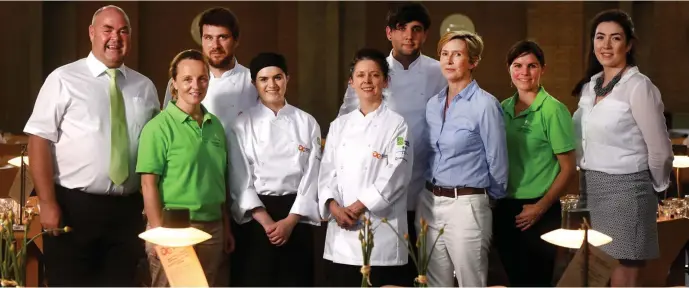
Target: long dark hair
594 67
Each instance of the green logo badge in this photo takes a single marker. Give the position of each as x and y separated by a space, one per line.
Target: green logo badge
400 141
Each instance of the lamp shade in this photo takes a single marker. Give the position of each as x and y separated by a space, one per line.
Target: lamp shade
571 235
680 161
176 230
17 161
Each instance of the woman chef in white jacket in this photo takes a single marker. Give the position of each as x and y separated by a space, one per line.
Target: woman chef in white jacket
365 170
275 151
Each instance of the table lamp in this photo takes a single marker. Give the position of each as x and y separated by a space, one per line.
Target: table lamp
575 233
176 230
680 161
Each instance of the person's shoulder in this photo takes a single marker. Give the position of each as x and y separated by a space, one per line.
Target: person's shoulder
639 79
394 118
135 76
242 70
486 98
552 103
552 106
301 114
72 68
429 61
157 123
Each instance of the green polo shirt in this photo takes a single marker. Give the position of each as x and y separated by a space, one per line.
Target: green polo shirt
191 161
533 138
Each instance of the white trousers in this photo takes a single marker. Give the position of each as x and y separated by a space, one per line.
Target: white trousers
463 248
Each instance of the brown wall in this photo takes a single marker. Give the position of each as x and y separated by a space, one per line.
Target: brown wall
319 39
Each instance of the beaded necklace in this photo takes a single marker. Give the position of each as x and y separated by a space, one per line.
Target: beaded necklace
603 91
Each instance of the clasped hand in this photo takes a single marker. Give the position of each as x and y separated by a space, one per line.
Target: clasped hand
279 232
346 217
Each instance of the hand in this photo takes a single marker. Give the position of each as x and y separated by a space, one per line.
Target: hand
345 218
530 214
50 216
151 249
229 239
283 230
357 208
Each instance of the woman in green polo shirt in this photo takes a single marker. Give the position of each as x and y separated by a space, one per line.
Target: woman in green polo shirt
183 164
540 147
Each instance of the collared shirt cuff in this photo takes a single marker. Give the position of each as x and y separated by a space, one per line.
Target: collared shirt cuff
307 209
372 199
324 196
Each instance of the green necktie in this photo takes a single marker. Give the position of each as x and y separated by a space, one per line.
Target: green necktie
119 139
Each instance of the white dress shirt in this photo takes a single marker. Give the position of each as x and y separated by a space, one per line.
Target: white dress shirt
625 132
366 159
228 95
407 94
275 155
72 110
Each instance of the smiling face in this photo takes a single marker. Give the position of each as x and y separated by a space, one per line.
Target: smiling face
110 36
610 44
271 84
191 82
368 80
455 61
526 72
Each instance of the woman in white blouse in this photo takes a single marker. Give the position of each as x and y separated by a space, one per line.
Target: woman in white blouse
624 150
275 152
365 171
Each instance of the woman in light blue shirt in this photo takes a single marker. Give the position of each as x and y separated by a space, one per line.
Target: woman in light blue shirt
468 164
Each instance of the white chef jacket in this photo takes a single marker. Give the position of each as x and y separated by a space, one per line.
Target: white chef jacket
72 111
407 94
275 155
366 159
228 95
625 132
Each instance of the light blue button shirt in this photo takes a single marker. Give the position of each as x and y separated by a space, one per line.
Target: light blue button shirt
469 149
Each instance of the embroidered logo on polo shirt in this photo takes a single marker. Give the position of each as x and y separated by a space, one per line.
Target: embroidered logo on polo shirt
216 141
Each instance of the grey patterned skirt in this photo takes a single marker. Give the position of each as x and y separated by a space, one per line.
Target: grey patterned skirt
623 207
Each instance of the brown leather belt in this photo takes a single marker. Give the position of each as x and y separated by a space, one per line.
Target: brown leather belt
452 192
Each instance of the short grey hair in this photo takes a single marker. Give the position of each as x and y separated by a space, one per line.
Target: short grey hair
126 17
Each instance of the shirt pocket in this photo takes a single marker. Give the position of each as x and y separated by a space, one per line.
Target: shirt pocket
139 116
613 115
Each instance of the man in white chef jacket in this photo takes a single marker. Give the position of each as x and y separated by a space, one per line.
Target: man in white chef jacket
414 78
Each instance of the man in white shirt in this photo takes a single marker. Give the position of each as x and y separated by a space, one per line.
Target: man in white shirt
82 143
414 78
230 90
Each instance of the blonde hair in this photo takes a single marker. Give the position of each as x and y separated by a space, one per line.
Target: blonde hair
474 43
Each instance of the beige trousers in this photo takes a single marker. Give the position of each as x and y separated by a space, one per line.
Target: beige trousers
212 256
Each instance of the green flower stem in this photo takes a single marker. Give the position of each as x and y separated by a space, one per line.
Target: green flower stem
409 248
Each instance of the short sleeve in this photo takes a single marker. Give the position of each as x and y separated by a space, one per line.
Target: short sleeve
560 129
49 109
153 147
